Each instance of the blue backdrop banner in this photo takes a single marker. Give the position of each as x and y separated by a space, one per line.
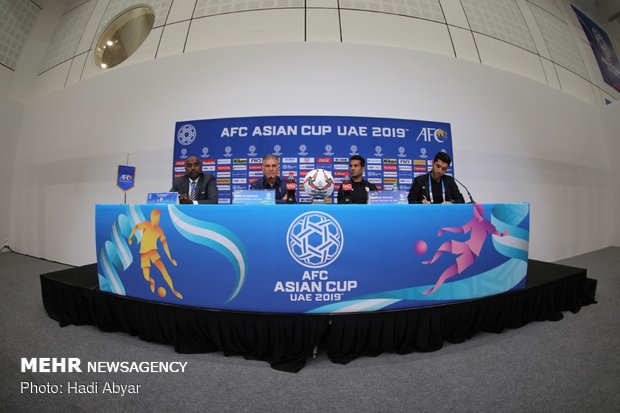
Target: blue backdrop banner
311 258
602 48
396 150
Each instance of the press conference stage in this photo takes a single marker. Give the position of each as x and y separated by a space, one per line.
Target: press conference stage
286 341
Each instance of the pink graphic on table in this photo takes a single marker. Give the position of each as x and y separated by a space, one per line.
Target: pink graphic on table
468 251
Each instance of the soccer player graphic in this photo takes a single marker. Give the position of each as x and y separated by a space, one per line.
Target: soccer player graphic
467 251
148 250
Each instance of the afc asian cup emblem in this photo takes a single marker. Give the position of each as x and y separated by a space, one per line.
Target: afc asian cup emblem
184 153
328 150
353 150
252 150
205 152
186 134
602 44
228 152
441 135
401 152
302 150
315 239
423 153
378 150
277 149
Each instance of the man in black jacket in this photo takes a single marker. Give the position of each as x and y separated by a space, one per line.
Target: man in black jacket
360 186
195 187
435 187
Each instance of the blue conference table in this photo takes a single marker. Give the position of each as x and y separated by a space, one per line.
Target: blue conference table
317 259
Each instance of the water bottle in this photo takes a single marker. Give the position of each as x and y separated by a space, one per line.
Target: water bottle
291 187
346 189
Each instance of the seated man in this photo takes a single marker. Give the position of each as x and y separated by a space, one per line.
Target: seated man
360 186
195 187
271 178
435 187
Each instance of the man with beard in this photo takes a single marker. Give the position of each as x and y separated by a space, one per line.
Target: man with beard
195 187
436 187
359 186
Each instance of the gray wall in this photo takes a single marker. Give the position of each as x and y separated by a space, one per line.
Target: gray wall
10 119
611 124
514 139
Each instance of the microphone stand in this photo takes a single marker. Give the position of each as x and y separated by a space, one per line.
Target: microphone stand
471 199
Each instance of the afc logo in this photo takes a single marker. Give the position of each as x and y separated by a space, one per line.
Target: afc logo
428 134
126 178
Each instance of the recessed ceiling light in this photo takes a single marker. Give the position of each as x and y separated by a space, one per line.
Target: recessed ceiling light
126 33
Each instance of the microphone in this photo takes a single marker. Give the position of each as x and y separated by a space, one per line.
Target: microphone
471 199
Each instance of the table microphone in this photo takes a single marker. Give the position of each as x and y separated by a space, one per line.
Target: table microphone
471 199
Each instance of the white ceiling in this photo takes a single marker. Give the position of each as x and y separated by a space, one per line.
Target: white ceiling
609 8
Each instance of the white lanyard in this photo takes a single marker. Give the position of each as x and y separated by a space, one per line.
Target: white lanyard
430 188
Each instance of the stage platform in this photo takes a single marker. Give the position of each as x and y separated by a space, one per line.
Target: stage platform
286 341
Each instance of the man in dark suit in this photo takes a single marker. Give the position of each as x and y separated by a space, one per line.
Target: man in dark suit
195 187
435 187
